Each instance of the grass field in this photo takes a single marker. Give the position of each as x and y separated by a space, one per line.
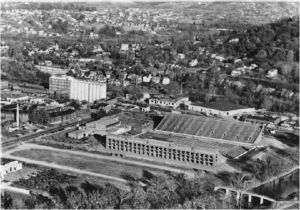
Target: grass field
96 165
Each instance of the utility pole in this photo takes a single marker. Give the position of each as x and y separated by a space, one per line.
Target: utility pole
18 116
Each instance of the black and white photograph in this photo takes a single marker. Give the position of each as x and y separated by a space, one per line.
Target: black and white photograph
149 104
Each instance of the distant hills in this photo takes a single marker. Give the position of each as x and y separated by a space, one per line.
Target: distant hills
191 11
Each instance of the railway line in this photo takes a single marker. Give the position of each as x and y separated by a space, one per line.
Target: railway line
35 135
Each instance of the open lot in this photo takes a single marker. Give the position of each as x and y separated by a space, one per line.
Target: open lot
96 165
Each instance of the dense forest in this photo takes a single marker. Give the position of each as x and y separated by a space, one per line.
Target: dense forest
14 71
271 45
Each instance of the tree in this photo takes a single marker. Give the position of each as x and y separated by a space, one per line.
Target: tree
290 56
6 201
238 181
76 200
75 104
40 116
112 195
98 115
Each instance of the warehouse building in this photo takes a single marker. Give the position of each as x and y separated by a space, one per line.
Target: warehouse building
104 123
169 102
100 127
220 108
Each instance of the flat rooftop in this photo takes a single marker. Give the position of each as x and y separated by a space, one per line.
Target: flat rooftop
221 105
202 143
264 118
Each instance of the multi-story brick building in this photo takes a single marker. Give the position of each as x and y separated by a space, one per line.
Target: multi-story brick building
59 84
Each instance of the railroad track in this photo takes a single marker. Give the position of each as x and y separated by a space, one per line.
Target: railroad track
35 135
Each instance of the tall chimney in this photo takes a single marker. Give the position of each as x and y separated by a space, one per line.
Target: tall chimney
18 116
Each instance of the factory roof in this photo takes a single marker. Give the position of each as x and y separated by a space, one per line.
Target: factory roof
221 105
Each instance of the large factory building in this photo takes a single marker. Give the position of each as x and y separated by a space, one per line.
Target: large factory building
186 140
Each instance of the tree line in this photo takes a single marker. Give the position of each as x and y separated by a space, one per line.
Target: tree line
172 191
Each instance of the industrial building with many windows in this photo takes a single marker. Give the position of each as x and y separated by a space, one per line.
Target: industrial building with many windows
163 151
59 84
192 141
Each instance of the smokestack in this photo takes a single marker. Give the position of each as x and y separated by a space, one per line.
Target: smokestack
18 116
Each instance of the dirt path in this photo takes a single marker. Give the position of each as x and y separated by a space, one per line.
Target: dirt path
6 187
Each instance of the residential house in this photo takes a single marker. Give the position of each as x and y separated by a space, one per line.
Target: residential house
272 73
193 63
166 80
147 79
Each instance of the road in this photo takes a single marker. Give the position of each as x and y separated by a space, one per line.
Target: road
6 187
28 146
65 168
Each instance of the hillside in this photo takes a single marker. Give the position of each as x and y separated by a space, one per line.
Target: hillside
272 43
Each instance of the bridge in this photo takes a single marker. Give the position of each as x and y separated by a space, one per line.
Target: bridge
241 193
246 192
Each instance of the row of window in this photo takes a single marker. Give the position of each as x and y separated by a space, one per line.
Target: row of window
112 125
163 102
205 110
161 152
